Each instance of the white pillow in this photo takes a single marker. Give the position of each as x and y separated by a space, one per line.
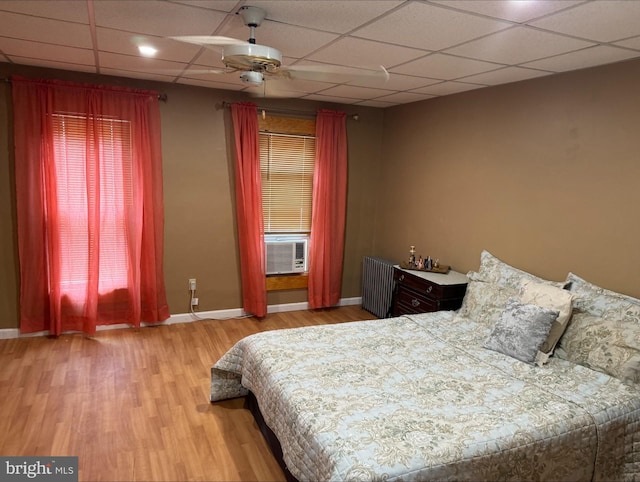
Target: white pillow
553 298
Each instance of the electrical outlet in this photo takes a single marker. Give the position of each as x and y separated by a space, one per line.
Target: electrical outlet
192 284
194 301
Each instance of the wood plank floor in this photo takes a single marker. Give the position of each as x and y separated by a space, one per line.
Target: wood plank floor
133 404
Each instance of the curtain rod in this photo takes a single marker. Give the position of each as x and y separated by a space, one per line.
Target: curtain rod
280 110
161 96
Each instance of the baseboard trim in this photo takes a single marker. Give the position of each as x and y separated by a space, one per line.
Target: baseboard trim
234 313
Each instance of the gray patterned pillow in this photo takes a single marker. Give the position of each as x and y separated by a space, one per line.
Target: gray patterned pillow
521 330
606 345
599 301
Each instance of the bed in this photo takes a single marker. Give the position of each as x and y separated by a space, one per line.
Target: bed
450 395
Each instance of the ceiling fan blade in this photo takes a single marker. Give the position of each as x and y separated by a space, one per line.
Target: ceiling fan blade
206 40
207 71
186 72
333 73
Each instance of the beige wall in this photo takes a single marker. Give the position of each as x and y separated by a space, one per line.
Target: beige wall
200 232
543 173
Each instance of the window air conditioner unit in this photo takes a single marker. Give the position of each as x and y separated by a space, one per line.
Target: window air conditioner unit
286 254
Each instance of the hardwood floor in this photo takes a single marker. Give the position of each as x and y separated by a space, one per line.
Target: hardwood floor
133 405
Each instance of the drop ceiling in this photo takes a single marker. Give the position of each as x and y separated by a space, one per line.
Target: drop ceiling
430 48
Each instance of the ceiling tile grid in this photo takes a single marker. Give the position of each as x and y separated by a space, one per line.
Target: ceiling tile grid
429 48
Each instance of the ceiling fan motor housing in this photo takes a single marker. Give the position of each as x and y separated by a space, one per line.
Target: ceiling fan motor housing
253 57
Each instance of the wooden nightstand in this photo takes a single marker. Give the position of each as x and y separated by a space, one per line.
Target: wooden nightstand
422 291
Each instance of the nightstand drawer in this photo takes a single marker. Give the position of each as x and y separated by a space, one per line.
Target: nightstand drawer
425 286
411 301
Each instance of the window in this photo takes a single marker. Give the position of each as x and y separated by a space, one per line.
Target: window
113 179
287 154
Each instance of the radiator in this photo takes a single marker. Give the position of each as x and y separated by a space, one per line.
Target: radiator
377 285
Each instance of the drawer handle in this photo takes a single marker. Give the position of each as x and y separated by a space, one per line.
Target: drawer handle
428 290
401 277
415 303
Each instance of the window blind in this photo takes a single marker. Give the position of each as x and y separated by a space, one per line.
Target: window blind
85 189
286 165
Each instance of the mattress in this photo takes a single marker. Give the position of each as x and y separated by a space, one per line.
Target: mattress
418 398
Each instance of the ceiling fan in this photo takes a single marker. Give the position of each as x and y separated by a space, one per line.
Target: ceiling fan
257 63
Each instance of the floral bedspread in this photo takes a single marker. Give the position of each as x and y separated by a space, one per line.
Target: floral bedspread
418 398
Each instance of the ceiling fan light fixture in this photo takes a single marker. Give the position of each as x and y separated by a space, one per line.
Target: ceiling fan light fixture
251 77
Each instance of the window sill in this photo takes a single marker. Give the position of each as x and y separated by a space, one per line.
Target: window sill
287 282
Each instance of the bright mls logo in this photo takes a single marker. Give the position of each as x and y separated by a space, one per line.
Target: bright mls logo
49 469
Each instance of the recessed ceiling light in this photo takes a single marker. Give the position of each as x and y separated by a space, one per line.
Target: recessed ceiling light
147 50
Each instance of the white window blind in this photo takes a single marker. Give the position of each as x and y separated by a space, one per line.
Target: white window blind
104 188
286 164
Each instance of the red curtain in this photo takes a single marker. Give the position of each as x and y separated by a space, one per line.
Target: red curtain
90 206
249 208
326 246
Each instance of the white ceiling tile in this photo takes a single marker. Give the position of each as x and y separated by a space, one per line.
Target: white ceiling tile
632 43
330 16
39 50
156 18
421 42
136 74
278 84
300 86
331 98
399 82
211 84
516 11
68 10
429 27
604 21
375 103
444 67
581 59
518 45
267 89
44 30
52 64
356 52
404 97
354 92
505 75
220 5
446 88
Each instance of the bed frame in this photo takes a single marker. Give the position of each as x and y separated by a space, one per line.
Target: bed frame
251 403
